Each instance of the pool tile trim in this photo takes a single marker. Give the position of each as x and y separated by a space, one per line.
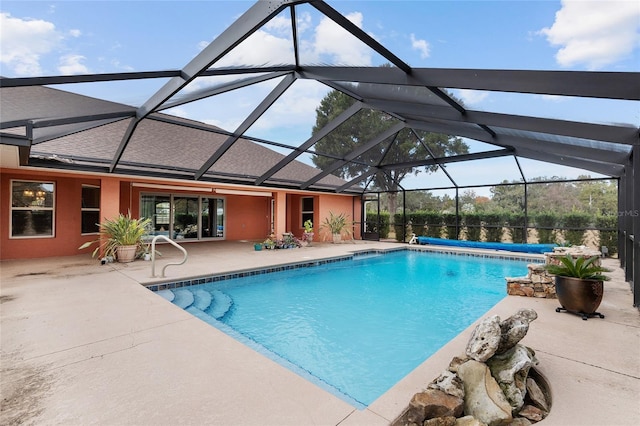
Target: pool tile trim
355 255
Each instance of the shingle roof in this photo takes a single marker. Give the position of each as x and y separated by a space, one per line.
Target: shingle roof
155 144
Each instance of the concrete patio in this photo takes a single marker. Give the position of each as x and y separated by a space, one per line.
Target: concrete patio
84 343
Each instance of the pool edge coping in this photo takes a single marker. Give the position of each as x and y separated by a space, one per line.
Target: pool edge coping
242 273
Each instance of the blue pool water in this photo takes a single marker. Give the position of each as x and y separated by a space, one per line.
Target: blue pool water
354 327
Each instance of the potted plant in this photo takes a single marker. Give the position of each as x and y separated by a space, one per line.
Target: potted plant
579 284
307 235
121 237
270 242
336 224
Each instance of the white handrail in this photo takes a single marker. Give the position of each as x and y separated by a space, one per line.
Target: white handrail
153 254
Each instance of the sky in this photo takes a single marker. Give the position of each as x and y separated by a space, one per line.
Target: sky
40 38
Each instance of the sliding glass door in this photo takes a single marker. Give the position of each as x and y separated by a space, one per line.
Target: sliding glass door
212 214
183 217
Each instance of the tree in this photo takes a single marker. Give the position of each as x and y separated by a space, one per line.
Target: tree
599 197
421 201
366 125
509 198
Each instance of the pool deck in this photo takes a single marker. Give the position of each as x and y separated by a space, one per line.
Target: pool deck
84 343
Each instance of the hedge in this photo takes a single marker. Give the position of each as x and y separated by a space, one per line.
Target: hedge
432 224
378 223
576 224
546 223
473 226
493 223
608 226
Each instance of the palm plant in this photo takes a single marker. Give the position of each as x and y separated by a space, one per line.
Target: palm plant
121 231
336 223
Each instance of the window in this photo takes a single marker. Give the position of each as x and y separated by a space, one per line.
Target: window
32 209
90 209
307 209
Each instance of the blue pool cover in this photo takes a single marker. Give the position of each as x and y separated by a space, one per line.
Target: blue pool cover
520 248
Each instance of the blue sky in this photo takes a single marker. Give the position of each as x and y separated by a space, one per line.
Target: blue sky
78 37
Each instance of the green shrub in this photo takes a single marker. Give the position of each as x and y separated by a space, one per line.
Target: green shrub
378 223
545 225
577 224
449 220
473 225
433 221
515 224
398 226
493 223
607 227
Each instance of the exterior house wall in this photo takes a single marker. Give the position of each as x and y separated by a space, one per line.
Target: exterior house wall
350 206
248 217
67 215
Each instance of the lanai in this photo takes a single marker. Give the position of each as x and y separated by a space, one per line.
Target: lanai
416 99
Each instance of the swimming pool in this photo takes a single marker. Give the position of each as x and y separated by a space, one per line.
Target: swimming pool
354 327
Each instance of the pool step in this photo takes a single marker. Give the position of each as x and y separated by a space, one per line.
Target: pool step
183 298
202 299
221 304
167 294
200 303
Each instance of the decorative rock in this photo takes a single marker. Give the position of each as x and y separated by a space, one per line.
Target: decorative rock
448 383
536 395
410 417
532 413
485 339
484 399
469 421
511 370
527 291
457 361
520 421
440 421
514 328
435 403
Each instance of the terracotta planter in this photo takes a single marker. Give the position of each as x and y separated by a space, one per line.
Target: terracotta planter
126 254
578 296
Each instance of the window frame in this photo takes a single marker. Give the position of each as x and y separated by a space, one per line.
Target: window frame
13 209
304 212
89 209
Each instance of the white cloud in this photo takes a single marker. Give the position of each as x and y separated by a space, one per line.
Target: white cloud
24 41
471 97
72 64
295 108
342 48
303 22
421 46
261 48
75 33
594 33
203 44
280 25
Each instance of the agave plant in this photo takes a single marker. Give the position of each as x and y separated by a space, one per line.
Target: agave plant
579 268
121 231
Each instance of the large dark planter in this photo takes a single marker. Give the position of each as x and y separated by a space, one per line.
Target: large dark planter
579 296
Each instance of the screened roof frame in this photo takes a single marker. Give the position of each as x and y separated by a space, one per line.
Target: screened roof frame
518 139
